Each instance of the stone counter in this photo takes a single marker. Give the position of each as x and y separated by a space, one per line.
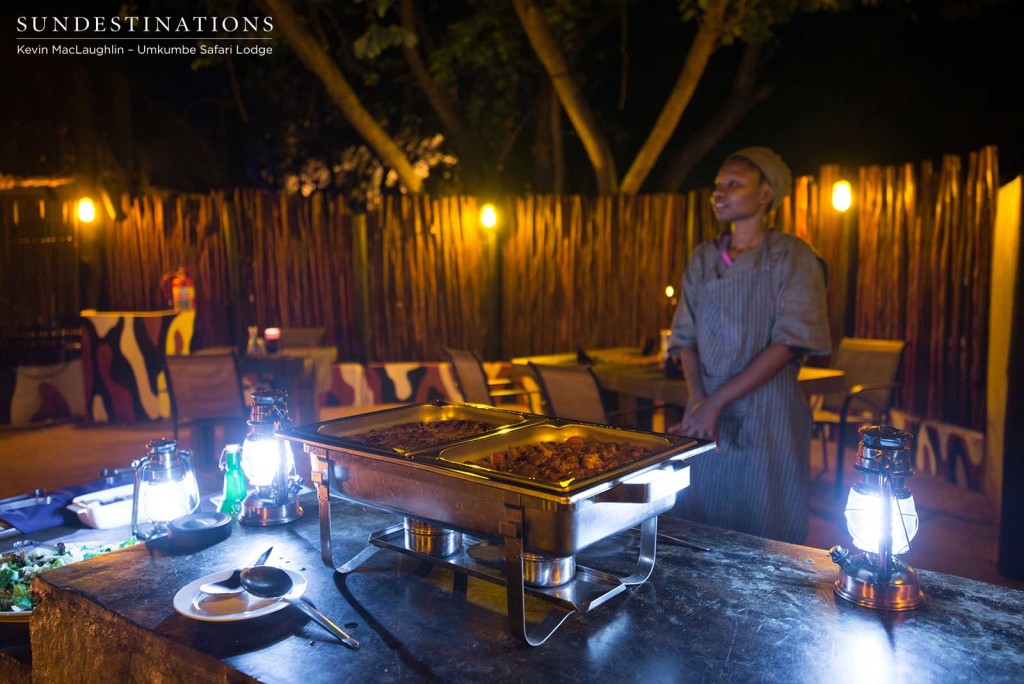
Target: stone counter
748 610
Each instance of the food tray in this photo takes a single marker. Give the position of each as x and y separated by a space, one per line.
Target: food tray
337 433
558 431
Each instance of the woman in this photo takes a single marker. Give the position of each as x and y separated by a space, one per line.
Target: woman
753 306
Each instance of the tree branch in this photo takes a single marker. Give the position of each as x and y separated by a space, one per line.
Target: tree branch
703 45
442 105
744 96
583 120
341 93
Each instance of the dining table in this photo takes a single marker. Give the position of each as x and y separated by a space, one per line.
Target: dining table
635 376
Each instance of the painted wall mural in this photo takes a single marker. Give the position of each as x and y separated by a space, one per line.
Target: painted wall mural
355 384
951 452
123 362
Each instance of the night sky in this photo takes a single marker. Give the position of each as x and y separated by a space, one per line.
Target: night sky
874 86
883 86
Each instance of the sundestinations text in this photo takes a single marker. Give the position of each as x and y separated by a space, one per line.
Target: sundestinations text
64 25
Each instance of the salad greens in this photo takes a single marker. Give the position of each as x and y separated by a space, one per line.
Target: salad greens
18 568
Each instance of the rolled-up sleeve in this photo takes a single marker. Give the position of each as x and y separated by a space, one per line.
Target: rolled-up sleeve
801 319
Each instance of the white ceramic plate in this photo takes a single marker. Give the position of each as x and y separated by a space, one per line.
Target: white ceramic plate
192 603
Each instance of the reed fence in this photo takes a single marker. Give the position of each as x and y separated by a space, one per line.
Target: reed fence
911 260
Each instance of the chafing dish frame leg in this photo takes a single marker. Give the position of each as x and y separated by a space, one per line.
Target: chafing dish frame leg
515 587
648 552
321 476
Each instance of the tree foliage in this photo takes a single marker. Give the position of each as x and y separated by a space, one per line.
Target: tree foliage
601 93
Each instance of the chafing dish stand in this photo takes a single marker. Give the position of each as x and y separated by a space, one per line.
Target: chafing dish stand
588 589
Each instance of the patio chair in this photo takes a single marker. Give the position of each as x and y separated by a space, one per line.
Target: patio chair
476 388
870 366
575 393
206 391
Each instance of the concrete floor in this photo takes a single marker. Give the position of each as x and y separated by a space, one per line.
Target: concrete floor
958 533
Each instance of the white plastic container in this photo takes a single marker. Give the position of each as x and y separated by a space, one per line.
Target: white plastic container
105 509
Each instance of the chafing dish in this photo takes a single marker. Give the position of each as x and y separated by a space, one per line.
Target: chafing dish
444 493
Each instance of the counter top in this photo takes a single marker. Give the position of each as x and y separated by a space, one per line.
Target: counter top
747 610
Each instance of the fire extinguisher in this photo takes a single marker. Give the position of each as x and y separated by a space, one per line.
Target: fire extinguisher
179 289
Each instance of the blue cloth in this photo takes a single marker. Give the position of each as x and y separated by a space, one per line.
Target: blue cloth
33 518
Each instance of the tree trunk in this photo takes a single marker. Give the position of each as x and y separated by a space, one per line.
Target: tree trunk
320 63
543 179
693 68
557 147
743 97
442 105
594 141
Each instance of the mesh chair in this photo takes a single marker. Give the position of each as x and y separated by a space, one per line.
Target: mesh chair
292 338
571 392
476 388
870 368
206 390
575 393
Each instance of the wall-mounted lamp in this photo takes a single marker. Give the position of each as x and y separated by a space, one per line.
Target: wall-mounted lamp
86 210
488 216
842 196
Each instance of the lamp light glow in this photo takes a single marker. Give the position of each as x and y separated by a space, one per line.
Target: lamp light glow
263 457
670 291
86 210
165 501
864 519
488 216
842 196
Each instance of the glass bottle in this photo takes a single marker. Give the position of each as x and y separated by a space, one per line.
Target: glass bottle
255 346
234 481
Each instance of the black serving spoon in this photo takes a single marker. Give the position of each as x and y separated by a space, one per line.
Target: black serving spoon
233 583
267 581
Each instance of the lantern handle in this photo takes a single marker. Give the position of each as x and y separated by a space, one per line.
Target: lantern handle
138 465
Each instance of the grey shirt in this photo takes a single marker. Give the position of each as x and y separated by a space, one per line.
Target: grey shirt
799 281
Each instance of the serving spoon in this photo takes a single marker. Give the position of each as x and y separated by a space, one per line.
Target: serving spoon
232 584
267 581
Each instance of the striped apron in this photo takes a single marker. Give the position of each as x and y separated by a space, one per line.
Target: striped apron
757 480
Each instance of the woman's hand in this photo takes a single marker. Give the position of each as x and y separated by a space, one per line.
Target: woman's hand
701 420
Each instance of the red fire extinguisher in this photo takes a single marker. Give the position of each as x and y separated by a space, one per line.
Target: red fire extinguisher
179 289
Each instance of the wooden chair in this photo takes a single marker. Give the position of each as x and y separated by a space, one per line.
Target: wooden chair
206 391
477 389
870 366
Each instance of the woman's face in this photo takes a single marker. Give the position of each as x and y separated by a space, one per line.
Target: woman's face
740 193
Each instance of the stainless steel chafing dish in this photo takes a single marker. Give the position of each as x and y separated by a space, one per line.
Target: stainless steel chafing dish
467 506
